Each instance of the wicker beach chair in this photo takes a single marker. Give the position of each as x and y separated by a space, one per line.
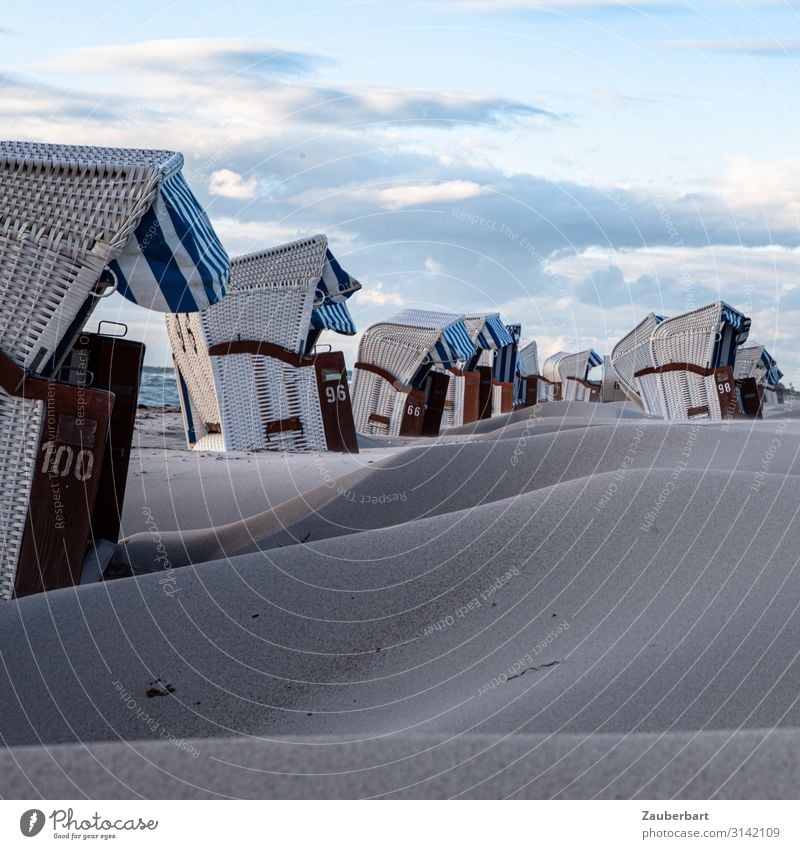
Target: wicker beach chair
691 364
401 379
247 370
463 404
79 223
570 372
611 385
757 379
507 387
632 354
536 388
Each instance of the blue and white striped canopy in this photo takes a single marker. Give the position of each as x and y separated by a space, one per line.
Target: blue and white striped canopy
594 360
174 261
774 374
336 317
506 363
494 334
335 286
454 345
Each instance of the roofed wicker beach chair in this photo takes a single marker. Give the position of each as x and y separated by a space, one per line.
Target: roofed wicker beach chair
247 370
401 379
77 224
691 364
536 388
507 389
570 373
632 354
757 379
470 389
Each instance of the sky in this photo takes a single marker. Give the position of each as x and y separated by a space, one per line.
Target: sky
572 165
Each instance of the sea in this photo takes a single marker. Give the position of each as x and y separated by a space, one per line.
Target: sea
158 387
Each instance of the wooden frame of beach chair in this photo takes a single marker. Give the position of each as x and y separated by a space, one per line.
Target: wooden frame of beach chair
248 376
692 357
78 223
398 379
632 354
561 366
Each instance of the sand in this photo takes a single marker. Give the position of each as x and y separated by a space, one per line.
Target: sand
582 603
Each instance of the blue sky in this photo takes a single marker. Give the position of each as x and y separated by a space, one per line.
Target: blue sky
572 165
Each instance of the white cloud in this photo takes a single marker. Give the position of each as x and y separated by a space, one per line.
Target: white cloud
770 189
433 266
229 184
398 197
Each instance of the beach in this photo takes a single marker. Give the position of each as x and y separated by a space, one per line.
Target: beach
569 601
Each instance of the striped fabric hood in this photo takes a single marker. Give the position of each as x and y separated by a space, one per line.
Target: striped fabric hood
173 261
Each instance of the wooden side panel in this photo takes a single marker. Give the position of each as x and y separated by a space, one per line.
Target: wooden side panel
531 385
726 390
334 402
413 414
69 464
472 396
116 367
437 394
485 392
752 397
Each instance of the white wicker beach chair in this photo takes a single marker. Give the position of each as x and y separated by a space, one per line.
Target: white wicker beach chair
536 388
632 354
248 376
401 378
691 364
77 223
569 373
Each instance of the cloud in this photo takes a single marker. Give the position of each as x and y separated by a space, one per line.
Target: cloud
745 46
229 184
399 197
199 58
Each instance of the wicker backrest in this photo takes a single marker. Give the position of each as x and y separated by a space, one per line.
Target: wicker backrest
529 359
561 365
632 354
65 213
707 337
756 362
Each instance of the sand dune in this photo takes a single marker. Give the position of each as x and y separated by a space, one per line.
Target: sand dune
566 604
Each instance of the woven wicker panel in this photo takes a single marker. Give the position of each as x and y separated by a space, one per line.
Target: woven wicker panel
190 352
529 359
497 400
687 338
65 213
20 431
672 394
453 415
749 363
256 390
632 354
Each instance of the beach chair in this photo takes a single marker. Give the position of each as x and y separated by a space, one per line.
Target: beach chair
757 379
248 374
691 364
463 402
632 354
570 372
77 224
507 388
536 388
401 379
